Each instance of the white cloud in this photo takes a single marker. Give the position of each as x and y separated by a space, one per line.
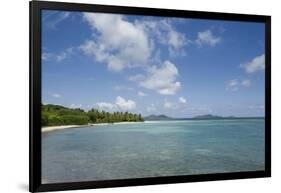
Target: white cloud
105 105
46 56
56 95
132 45
168 105
178 106
169 36
133 42
119 43
137 78
162 79
232 85
64 54
246 83
166 34
182 100
176 40
57 57
141 94
256 64
53 19
61 56
207 37
124 104
120 104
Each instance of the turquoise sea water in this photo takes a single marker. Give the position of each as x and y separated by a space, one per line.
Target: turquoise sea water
152 149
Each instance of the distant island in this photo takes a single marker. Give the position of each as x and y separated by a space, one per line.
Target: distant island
199 117
210 116
157 118
57 115
165 117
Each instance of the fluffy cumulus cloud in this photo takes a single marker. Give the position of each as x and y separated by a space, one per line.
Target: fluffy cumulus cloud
162 79
182 100
207 38
105 105
166 34
175 39
124 104
133 45
256 64
118 43
120 104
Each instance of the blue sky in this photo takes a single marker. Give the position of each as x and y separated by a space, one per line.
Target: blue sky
152 65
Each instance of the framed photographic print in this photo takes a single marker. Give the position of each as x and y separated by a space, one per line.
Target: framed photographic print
125 96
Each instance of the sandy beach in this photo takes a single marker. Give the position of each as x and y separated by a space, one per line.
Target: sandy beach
53 128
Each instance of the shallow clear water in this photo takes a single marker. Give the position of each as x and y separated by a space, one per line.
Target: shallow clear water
160 148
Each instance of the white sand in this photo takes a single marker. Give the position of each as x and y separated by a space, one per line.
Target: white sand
125 123
53 128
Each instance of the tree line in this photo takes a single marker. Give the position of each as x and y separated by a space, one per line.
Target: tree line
55 115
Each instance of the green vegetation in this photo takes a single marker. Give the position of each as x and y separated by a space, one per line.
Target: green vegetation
55 115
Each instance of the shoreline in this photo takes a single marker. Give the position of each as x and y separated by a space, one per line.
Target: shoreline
54 128
60 127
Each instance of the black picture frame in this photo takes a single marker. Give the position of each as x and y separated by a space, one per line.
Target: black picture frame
35 184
